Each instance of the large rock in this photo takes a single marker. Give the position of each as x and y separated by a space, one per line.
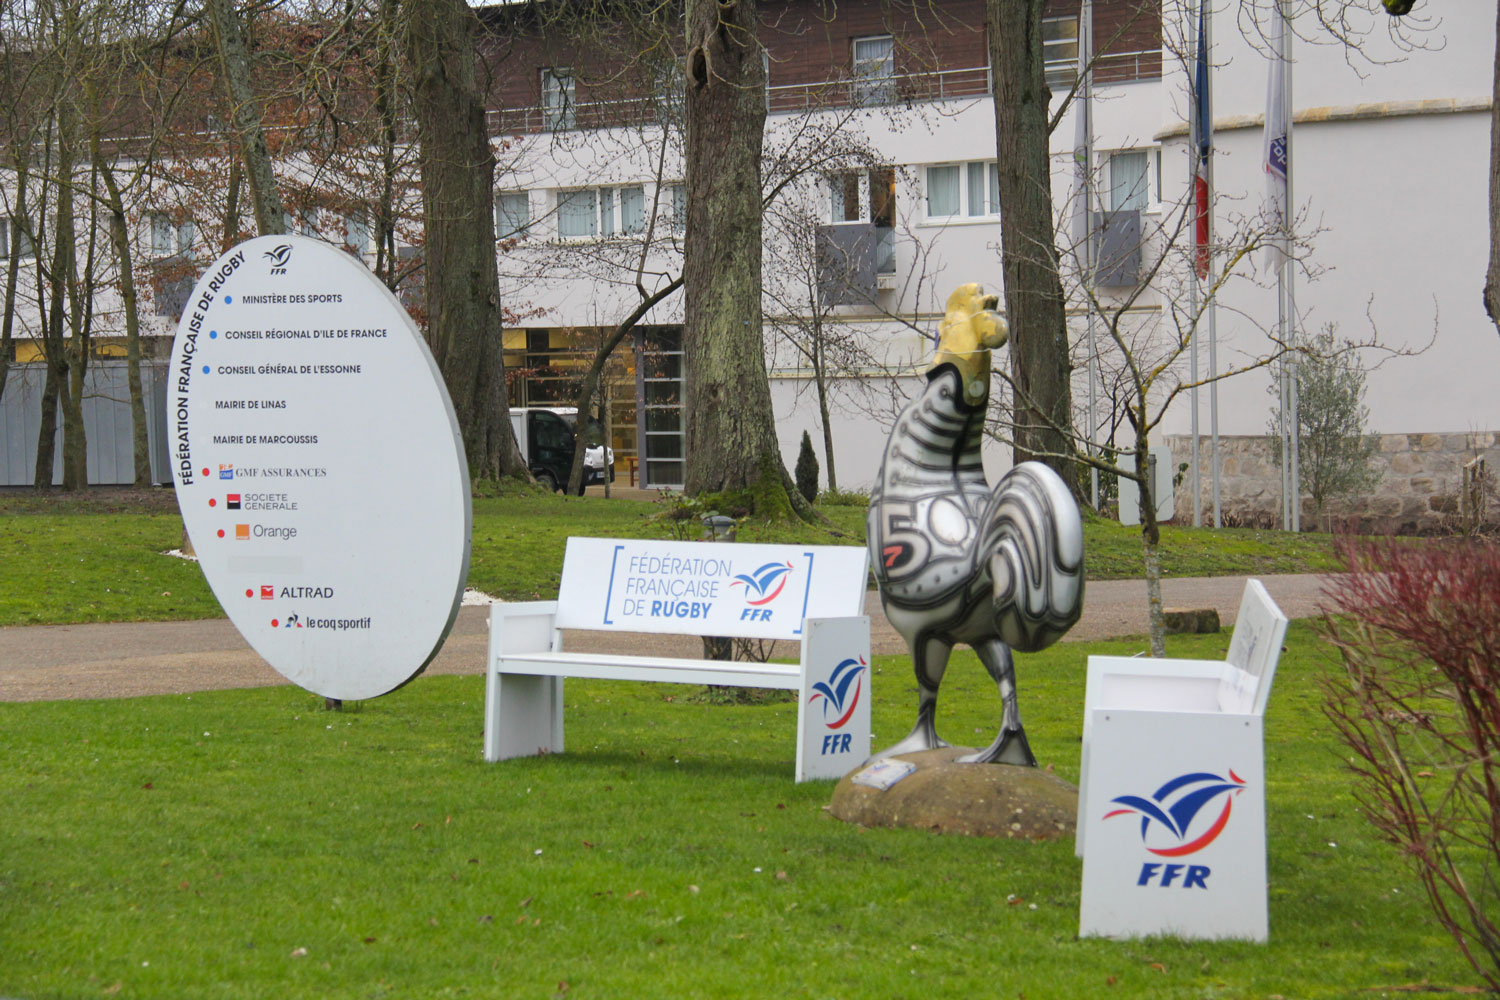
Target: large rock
978 800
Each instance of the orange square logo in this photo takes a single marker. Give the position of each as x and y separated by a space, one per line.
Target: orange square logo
242 532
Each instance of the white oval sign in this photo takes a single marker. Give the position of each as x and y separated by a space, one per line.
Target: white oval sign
318 466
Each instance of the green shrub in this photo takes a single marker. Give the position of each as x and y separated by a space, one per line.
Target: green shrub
844 498
807 470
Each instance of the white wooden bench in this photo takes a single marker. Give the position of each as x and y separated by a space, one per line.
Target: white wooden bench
813 595
1171 803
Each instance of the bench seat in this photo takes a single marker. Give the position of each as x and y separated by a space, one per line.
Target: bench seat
616 667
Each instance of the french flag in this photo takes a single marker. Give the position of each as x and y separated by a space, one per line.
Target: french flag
1204 133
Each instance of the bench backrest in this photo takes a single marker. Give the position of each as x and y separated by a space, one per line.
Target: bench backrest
1254 648
708 588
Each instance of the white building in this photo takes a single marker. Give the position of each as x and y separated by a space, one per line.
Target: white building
1387 255
890 131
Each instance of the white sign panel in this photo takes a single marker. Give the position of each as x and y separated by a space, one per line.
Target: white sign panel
753 591
1176 839
834 715
1254 649
318 466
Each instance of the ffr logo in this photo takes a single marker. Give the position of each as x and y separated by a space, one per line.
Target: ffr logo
1193 876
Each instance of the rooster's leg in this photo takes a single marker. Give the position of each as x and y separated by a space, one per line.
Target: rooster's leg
1010 746
930 660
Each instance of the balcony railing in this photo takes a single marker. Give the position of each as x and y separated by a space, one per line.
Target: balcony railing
798 98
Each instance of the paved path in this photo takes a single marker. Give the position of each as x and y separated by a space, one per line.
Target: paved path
44 662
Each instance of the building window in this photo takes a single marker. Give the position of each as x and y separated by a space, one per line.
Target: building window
844 197
874 70
304 223
942 192
983 189
20 240
628 206
659 388
557 98
512 214
578 214
167 238
867 197
601 212
676 199
963 190
671 90
357 233
863 196
1128 181
1060 51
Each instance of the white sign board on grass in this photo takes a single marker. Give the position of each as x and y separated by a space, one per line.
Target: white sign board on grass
318 466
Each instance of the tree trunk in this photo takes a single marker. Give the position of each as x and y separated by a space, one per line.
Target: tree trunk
1150 539
234 65
730 432
1034 304
13 266
119 234
55 386
65 275
464 322
49 298
384 222
1492 276
232 205
820 377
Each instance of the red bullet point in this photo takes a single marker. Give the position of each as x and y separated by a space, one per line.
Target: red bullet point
249 593
213 503
274 623
221 532
205 473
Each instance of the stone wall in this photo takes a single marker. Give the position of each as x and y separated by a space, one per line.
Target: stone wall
1419 491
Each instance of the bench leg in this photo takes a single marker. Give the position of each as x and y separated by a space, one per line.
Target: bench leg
833 708
523 716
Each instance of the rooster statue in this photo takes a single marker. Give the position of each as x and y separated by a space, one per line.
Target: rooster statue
956 561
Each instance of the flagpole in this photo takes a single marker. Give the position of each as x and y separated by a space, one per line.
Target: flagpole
1213 305
1085 132
1291 288
1197 96
1278 165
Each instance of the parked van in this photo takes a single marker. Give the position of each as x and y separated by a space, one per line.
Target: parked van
546 434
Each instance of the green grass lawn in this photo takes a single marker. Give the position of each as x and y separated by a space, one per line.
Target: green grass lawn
66 559
249 844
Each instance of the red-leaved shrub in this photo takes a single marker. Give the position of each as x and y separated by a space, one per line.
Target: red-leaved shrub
1418 706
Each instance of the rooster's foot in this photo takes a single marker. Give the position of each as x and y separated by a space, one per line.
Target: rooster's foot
1010 747
920 738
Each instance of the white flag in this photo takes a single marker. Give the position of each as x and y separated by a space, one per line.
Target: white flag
1276 145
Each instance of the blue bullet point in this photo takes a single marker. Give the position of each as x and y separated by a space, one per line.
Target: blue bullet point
205 369
213 335
228 299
